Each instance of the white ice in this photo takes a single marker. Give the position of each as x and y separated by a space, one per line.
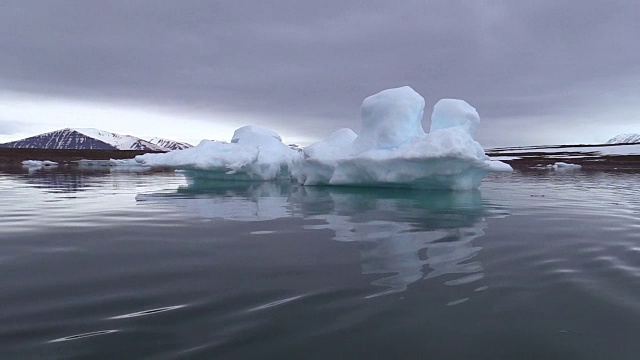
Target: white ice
253 154
38 163
392 150
124 163
562 166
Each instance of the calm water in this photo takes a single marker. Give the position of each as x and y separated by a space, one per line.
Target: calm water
153 266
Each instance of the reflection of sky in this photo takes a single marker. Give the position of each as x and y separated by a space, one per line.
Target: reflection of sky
402 235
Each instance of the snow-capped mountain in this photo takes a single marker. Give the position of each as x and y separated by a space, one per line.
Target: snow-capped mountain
170 144
86 139
120 142
60 139
625 139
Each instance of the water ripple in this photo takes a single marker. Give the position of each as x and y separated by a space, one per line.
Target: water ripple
147 312
83 335
276 303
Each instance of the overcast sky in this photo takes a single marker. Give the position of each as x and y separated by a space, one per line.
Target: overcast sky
538 72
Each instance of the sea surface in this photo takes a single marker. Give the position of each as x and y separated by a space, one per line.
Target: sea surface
137 265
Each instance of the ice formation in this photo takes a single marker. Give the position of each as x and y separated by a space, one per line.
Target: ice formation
392 150
253 154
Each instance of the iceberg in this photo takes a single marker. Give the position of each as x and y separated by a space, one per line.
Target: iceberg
392 150
254 153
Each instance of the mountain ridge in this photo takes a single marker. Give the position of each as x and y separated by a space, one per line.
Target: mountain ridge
624 139
93 139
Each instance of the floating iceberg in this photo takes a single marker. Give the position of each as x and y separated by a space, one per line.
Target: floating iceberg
392 150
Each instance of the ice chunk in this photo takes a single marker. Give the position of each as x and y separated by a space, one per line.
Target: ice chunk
251 134
454 113
124 162
38 163
561 166
253 154
86 163
390 119
319 159
332 146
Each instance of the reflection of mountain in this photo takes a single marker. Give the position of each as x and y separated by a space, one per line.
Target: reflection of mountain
57 179
68 178
403 235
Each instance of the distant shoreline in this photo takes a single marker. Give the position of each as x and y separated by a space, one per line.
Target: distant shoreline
14 156
534 161
523 161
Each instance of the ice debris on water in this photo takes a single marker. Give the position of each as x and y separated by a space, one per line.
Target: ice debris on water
561 166
391 150
38 163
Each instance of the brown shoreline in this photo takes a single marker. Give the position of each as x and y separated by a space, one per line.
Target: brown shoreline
535 161
531 161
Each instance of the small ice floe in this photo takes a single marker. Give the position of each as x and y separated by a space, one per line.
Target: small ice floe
504 158
39 163
562 166
92 163
112 164
127 165
124 162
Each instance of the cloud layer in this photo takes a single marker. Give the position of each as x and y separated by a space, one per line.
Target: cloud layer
534 70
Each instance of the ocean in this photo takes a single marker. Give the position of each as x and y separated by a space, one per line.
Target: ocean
106 264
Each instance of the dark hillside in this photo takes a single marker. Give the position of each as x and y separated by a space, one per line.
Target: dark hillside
12 156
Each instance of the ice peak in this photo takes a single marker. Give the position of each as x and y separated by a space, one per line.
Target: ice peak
449 113
249 132
390 118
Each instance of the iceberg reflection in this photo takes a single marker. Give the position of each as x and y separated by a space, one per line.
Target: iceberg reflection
231 200
402 235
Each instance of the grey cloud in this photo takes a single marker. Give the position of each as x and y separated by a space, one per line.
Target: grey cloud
8 127
293 59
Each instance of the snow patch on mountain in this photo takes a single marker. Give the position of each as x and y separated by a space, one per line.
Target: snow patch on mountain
93 139
120 142
170 144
